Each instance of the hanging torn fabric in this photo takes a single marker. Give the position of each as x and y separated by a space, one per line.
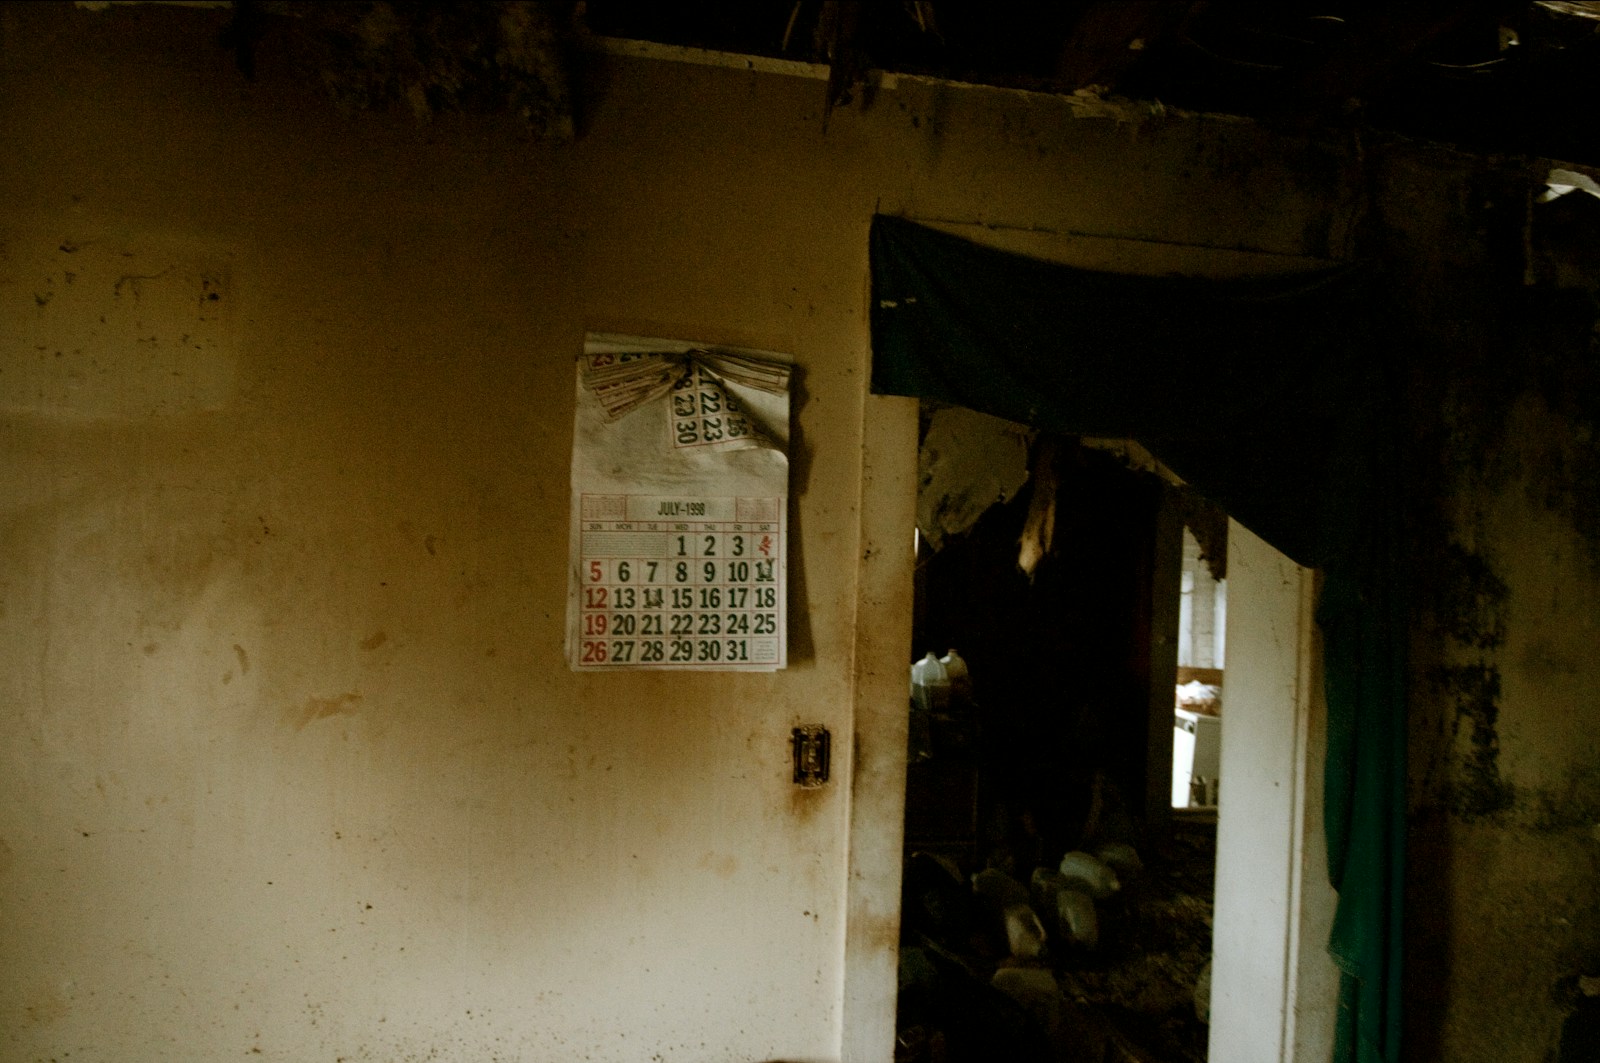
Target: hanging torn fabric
1298 445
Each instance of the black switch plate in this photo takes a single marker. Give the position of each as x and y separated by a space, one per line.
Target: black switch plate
810 746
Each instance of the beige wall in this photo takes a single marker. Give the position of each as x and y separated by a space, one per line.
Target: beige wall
292 759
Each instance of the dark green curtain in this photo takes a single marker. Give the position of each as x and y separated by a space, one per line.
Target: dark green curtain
1270 396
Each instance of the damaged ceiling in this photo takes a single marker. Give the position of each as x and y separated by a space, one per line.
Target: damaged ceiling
1490 76
1513 78
1495 77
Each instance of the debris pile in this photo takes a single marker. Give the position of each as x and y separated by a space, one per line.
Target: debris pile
1098 958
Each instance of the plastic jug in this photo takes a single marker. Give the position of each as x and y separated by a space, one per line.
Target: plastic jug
955 671
930 685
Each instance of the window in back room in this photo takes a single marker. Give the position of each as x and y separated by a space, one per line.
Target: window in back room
1197 712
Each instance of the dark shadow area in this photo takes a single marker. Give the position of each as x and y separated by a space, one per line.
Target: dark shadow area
1028 787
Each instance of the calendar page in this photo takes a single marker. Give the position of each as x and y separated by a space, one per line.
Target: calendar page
679 508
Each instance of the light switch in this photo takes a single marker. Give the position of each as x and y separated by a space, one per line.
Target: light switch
810 747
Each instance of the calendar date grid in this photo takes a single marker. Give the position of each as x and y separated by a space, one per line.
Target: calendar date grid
691 593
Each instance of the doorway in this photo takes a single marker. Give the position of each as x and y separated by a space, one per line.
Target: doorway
1051 764
1273 987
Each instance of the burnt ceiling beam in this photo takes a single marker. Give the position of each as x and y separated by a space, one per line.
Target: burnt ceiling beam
838 40
1109 38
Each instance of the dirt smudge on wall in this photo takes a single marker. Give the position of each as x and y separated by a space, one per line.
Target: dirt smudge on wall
322 708
45 1005
723 865
805 800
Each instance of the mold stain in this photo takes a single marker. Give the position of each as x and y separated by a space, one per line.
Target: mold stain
373 641
1470 613
1478 790
1471 600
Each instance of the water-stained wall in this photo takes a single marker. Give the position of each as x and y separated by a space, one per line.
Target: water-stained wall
293 763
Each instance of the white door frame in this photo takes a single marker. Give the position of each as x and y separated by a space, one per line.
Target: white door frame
1274 988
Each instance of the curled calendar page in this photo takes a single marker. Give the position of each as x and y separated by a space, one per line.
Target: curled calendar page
679 527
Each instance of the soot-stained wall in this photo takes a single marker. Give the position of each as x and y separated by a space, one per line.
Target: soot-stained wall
292 759
1505 777
293 762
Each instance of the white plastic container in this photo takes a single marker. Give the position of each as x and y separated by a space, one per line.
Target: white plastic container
930 685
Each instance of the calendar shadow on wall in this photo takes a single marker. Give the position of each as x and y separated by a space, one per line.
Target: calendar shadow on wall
1061 746
802 648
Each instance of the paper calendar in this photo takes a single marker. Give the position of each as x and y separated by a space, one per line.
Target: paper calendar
679 508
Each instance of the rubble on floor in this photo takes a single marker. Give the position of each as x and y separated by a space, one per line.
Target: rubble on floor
973 988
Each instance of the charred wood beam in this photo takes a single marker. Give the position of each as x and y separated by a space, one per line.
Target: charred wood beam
1110 38
838 41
